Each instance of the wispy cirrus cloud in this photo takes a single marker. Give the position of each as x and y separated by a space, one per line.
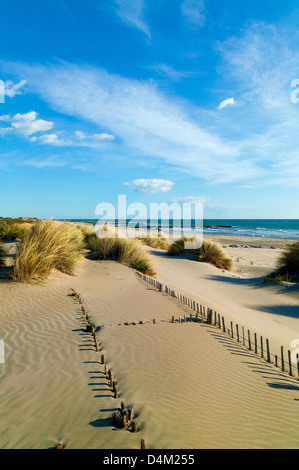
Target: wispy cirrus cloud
194 13
261 64
167 71
151 186
253 143
128 12
147 123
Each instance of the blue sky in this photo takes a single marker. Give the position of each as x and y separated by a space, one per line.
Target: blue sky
161 100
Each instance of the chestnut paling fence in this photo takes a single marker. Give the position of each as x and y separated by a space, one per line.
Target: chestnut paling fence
251 340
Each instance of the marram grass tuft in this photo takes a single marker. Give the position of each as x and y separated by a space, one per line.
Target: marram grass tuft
48 245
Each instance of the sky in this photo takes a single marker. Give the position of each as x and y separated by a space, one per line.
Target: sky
157 100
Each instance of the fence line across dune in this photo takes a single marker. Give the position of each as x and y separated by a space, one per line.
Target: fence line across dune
205 314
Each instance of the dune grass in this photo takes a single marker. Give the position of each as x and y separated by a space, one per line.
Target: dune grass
213 253
178 246
48 245
124 250
2 257
287 266
14 231
155 242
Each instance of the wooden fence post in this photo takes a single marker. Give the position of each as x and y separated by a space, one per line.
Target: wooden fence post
232 328
209 316
238 336
223 324
262 348
282 359
255 343
268 350
290 363
249 340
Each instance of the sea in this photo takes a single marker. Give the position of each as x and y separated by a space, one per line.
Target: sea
263 228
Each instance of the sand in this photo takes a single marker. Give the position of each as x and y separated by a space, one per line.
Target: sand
190 384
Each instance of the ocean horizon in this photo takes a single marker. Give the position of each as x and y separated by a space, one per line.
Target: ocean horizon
262 228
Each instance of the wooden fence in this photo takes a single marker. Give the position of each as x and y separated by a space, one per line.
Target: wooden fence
253 342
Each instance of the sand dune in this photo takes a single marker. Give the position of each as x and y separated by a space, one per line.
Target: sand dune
241 296
191 386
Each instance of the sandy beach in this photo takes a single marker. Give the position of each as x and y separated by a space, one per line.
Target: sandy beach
190 384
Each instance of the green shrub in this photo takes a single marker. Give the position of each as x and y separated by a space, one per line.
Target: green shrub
48 245
213 253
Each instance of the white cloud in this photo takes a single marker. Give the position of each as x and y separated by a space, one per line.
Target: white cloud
169 72
225 103
100 137
13 89
130 13
194 13
25 124
49 139
150 185
147 123
49 162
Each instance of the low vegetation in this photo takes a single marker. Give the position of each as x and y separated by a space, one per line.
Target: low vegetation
126 251
2 256
46 246
155 242
287 266
210 252
178 246
14 231
213 253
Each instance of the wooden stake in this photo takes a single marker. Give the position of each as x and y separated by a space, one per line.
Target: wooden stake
262 347
297 359
122 405
268 350
134 426
102 359
130 414
232 328
255 343
290 363
282 359
223 324
249 340
209 316
238 336
143 444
